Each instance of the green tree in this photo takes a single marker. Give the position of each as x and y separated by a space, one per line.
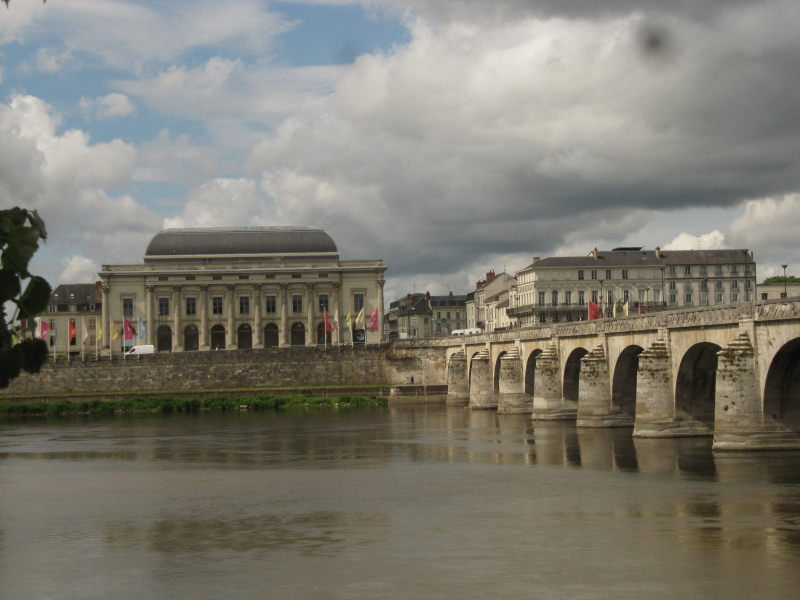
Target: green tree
780 279
20 232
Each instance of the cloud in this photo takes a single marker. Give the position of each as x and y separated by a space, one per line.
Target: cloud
528 134
67 178
224 202
713 240
106 107
78 269
769 226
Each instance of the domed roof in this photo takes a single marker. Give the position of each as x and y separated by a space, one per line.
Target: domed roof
240 240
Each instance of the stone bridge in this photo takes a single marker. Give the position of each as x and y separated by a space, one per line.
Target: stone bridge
732 372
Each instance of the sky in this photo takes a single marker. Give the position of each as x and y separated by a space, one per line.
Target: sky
445 137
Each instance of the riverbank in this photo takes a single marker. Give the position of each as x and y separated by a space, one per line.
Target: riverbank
168 404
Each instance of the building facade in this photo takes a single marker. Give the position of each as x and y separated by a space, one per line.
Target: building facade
775 291
251 287
423 315
72 318
630 279
483 306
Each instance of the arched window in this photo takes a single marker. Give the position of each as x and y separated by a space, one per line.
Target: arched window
271 339
322 334
244 338
218 337
164 339
298 334
191 339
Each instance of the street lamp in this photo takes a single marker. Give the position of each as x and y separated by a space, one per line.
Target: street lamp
784 280
603 311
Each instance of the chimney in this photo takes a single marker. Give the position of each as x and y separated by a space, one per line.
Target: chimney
658 252
536 259
595 254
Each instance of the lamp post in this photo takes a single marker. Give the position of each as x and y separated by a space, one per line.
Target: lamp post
784 280
602 303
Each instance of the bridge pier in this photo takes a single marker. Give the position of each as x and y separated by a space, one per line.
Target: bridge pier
655 405
457 381
512 397
548 399
481 388
595 408
739 420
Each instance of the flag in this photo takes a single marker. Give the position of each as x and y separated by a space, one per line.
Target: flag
594 311
336 318
373 320
348 321
114 333
43 329
639 308
360 319
72 332
327 322
142 330
98 335
614 310
625 308
14 338
85 331
128 329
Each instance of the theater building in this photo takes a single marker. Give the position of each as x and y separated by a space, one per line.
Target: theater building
247 287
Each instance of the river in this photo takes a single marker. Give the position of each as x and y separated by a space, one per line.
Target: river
410 502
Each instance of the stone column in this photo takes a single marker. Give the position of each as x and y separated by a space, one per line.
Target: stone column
594 394
308 299
258 333
381 283
548 399
283 298
204 344
739 422
512 398
177 345
231 334
105 317
457 383
150 338
655 400
481 392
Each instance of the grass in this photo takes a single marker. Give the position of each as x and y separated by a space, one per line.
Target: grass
174 404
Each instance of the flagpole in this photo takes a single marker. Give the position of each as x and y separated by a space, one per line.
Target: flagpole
67 342
96 355
83 332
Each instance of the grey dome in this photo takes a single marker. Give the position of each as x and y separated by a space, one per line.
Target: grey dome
240 240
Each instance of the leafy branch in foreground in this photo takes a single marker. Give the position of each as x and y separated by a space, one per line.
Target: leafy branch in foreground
20 232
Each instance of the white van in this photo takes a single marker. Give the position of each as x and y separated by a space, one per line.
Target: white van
143 349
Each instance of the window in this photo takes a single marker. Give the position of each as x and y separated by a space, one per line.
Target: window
568 298
718 285
323 275
191 306
656 295
687 287
688 298
734 269
672 285
763 296
748 284
163 278
216 305
244 305
270 276
323 302
127 307
594 274
687 270
296 276
747 267
624 273
718 270
554 297
610 297
734 297
190 278
719 298
672 269
594 296
704 284
703 270
673 299
297 303
581 298
541 298
641 296
641 273
271 304
163 306
73 340
625 295
580 274
358 301
216 277
244 276
735 284
608 273
704 299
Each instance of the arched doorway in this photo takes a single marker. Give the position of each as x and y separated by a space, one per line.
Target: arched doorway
322 334
244 337
271 339
298 334
191 338
697 382
782 389
530 371
164 339
623 387
572 373
218 337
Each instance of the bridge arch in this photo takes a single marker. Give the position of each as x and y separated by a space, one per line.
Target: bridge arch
530 371
572 372
782 387
623 383
496 372
696 384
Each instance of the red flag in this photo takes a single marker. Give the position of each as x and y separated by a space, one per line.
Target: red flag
72 332
327 322
594 311
128 329
373 320
45 327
